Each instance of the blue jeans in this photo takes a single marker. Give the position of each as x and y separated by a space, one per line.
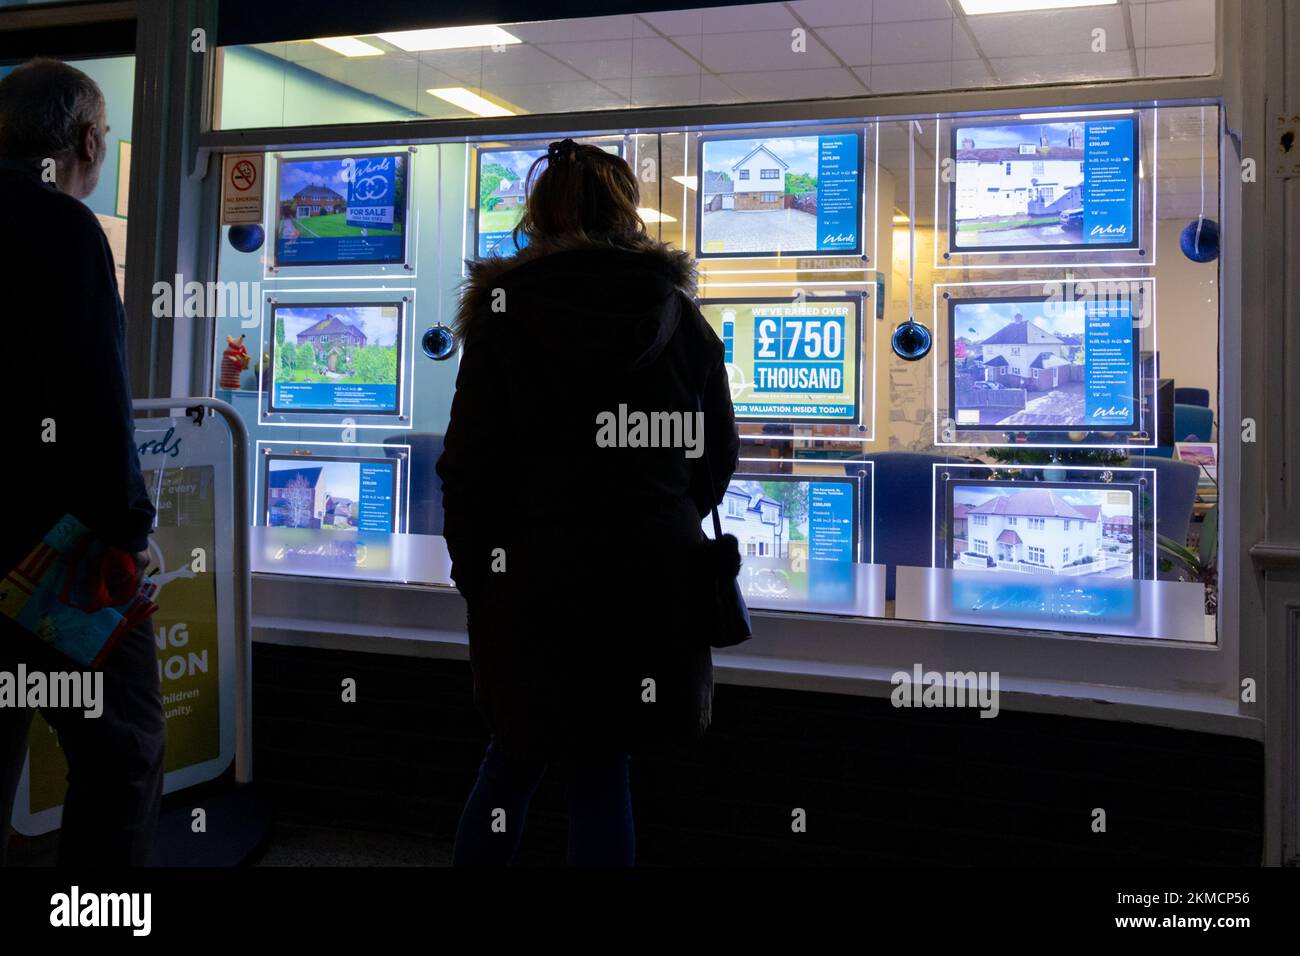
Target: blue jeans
601 832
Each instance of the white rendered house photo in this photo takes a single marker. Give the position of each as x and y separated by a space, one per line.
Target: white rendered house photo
758 522
1010 180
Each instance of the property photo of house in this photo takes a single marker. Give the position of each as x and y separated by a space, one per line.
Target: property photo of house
502 195
1018 528
313 199
1019 364
759 195
313 495
502 177
758 513
342 345
1018 185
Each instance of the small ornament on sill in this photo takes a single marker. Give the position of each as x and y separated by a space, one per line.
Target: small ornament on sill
233 361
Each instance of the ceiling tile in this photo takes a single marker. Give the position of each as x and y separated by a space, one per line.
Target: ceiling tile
751 16
1061 31
852 44
1196 60
885 11
655 56
1173 23
598 59
764 49
824 13
795 84
914 41
582 28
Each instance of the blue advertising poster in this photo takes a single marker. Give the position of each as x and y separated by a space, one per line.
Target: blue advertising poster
331 494
372 192
376 504
783 194
342 358
830 521
838 192
1109 177
341 209
790 360
1110 376
1024 186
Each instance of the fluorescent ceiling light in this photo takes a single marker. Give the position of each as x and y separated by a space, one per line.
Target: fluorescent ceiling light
349 46
974 8
653 215
1050 116
449 38
900 219
690 182
470 102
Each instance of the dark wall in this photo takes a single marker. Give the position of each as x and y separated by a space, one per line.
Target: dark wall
880 785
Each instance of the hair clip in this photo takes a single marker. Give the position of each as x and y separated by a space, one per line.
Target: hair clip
563 149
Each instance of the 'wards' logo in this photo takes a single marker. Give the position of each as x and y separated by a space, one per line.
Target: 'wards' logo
1108 230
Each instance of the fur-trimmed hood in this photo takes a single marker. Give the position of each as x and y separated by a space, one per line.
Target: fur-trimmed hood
616 302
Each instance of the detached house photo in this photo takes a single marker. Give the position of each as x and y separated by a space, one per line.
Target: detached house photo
1043 531
1019 364
758 195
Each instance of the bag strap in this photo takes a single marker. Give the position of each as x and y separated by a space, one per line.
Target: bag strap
708 469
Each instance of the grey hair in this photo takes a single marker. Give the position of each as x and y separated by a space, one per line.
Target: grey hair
44 104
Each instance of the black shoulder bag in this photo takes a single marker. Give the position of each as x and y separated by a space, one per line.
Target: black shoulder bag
722 607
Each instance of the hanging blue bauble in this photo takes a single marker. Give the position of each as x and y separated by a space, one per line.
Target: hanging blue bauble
247 237
1205 249
911 341
438 342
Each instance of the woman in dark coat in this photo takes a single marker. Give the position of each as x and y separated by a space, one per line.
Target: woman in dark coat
573 540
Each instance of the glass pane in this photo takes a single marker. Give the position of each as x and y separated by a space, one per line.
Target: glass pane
803 50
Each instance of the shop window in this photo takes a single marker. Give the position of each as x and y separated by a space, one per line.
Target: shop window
874 486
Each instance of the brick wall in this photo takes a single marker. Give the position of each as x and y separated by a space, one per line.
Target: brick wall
879 785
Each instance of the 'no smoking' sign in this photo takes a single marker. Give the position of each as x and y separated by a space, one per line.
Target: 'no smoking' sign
241 188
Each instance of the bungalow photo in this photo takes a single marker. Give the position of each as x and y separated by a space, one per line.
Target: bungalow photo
1019 364
1018 185
1019 528
334 345
313 198
759 195
313 494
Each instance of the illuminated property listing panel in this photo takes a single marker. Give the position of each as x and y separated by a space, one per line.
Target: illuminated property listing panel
789 360
1030 185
